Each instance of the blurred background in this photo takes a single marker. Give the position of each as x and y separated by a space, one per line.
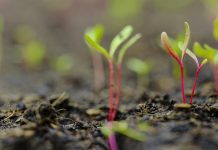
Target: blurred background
40 38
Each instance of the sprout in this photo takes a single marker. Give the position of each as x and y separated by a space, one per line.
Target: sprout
207 52
141 68
121 41
180 58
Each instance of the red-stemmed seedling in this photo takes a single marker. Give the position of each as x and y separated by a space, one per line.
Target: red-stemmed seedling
122 41
180 59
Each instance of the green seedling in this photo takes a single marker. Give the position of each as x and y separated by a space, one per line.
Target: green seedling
122 41
63 64
141 68
96 33
33 54
210 53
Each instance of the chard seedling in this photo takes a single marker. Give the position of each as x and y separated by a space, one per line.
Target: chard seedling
141 68
207 52
96 33
183 46
121 41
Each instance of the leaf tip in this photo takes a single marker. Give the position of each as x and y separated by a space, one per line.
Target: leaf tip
204 62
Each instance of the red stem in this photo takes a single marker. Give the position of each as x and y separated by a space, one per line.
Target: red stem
182 82
195 83
118 91
111 78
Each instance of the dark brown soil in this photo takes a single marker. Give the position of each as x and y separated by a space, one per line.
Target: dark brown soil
57 122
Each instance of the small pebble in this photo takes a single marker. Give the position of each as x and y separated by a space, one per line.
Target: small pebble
182 106
20 106
93 112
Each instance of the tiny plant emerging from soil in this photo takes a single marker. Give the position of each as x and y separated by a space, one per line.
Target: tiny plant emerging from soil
141 68
183 46
210 53
96 33
122 41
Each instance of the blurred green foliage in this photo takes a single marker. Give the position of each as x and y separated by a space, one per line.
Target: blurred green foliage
207 51
33 54
125 9
23 34
123 128
63 64
171 4
142 68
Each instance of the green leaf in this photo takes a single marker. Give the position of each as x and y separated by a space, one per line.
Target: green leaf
143 127
167 45
106 131
126 46
215 29
199 50
122 128
207 52
204 62
119 39
187 38
92 44
138 66
96 33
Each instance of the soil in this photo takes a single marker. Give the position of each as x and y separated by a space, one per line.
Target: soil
63 121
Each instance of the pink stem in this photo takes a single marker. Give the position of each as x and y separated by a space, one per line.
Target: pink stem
118 91
195 83
182 83
112 139
98 71
111 78
112 142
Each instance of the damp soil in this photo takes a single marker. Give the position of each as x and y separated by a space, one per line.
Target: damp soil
61 121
